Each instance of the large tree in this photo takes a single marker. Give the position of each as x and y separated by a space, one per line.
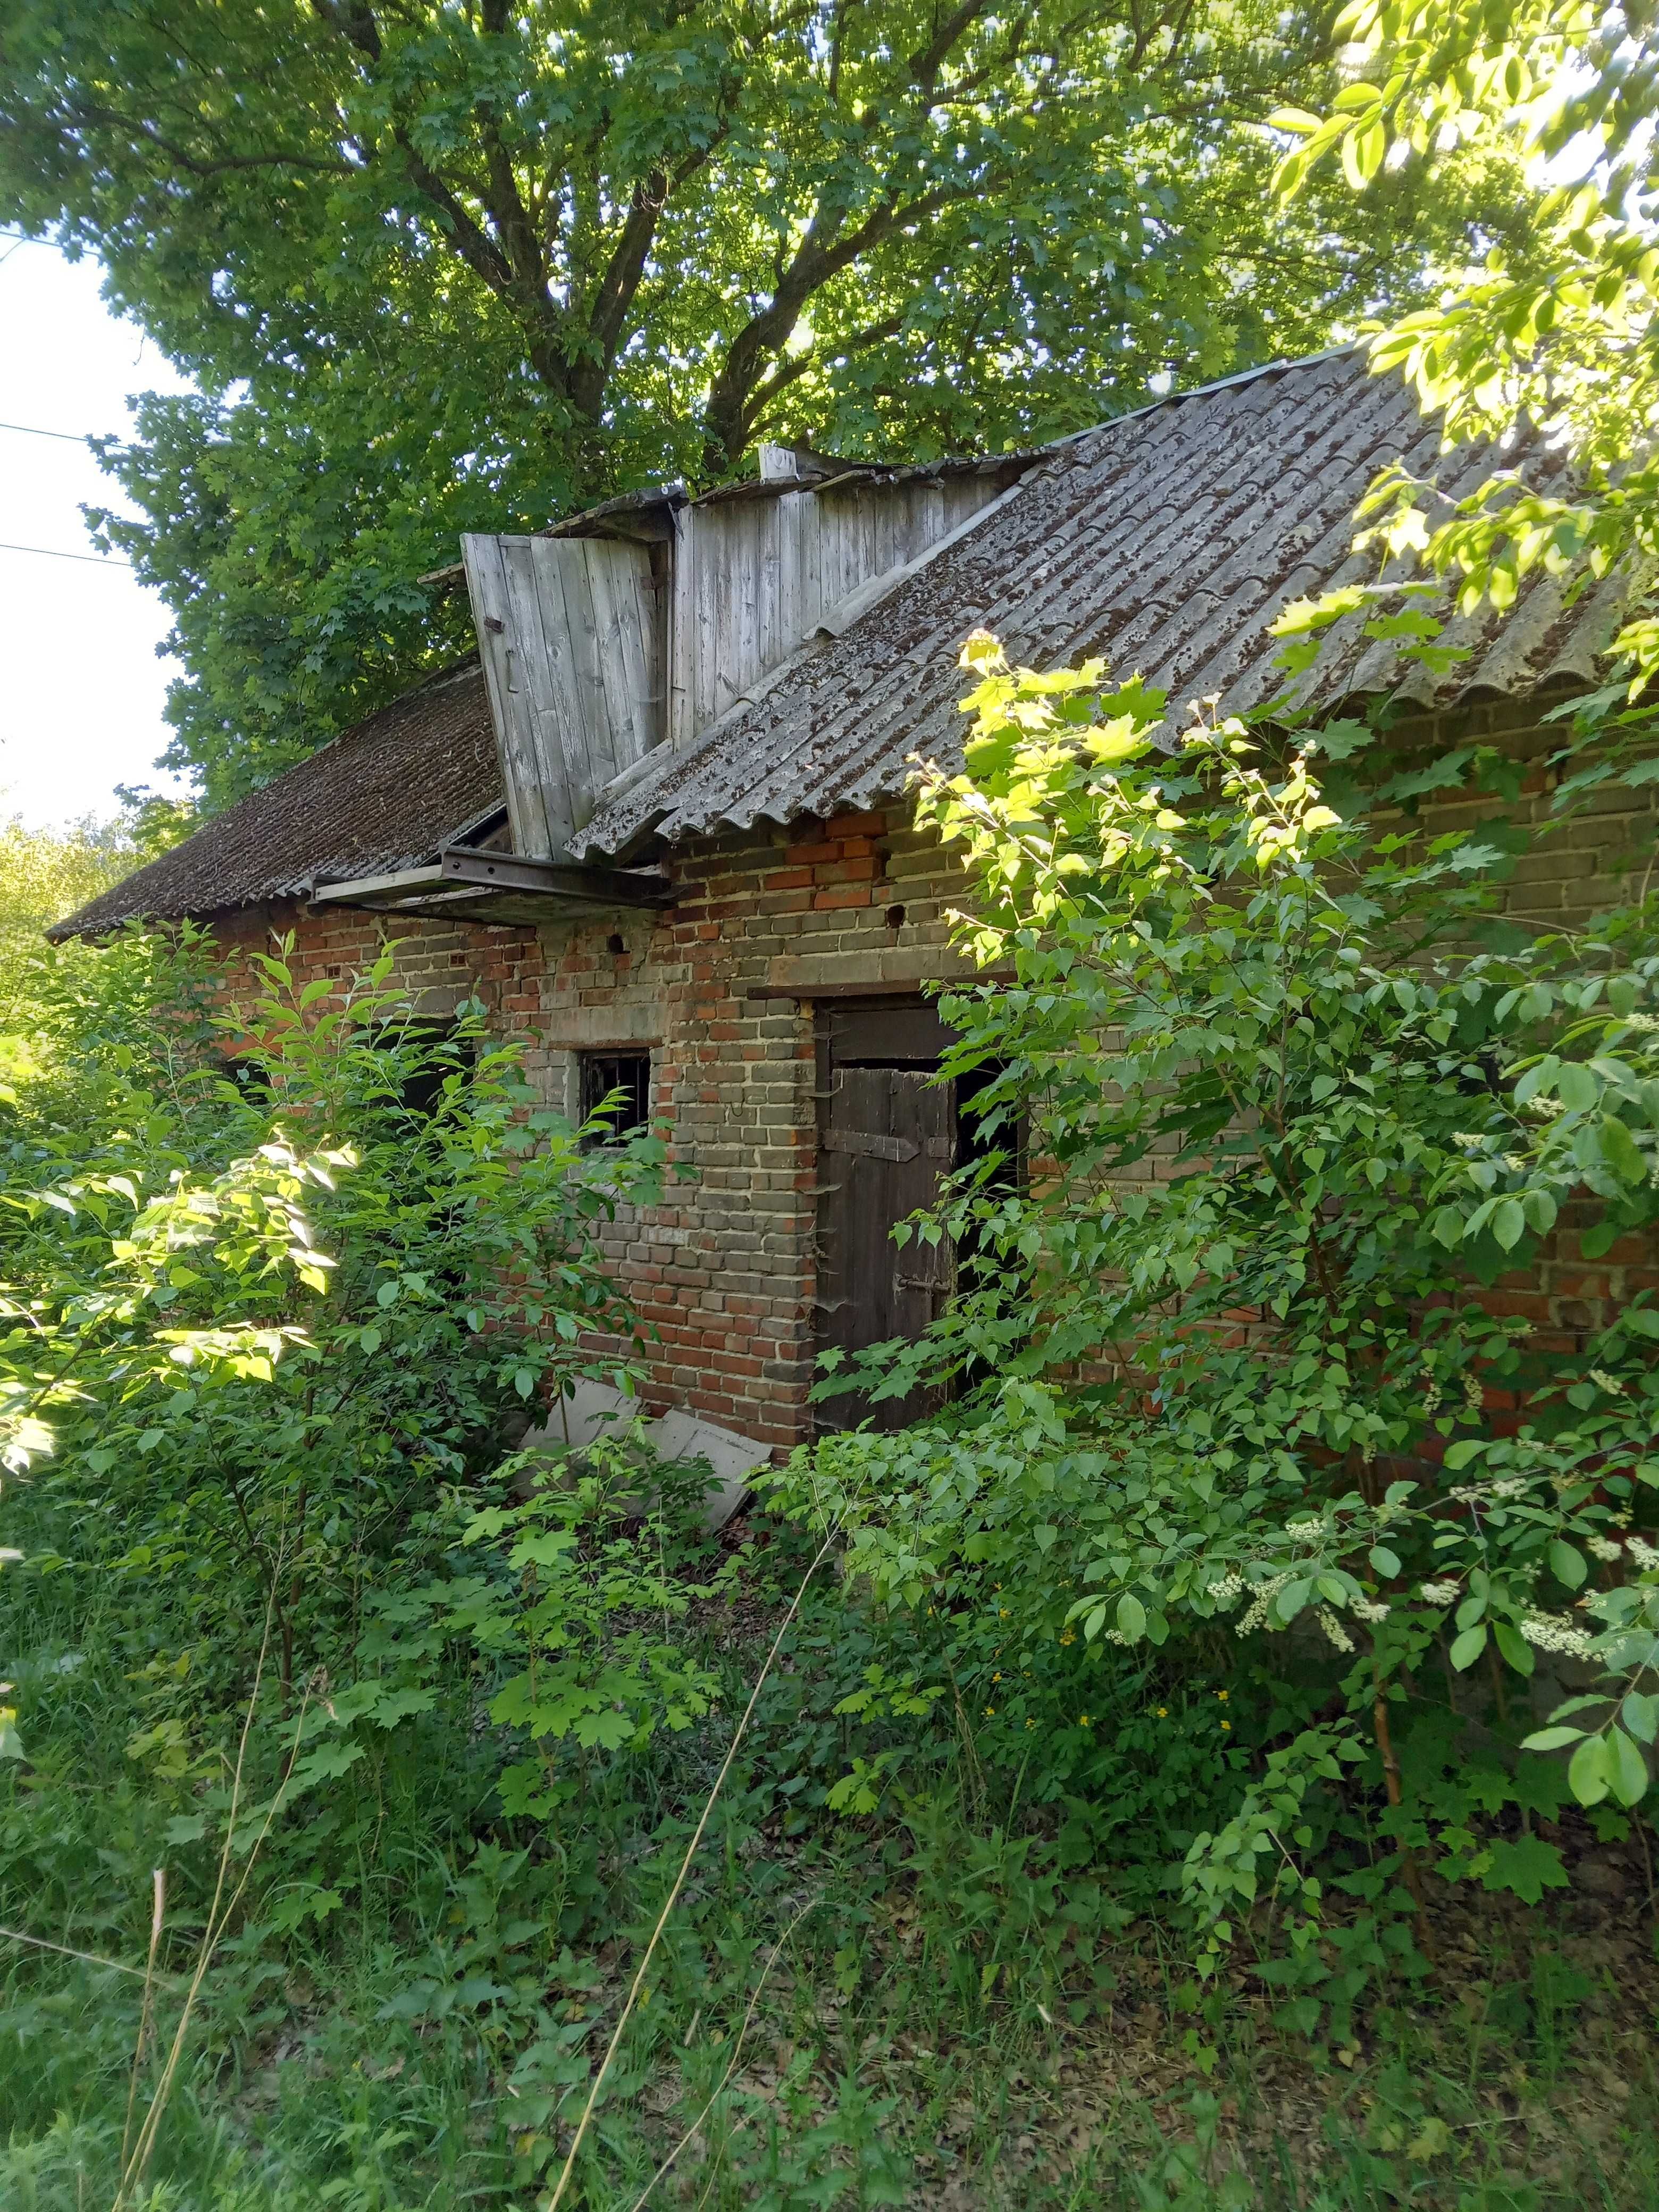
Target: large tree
439 266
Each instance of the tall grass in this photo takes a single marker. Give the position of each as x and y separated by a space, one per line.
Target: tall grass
849 2014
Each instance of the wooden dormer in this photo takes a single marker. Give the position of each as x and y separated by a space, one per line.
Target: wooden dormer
644 621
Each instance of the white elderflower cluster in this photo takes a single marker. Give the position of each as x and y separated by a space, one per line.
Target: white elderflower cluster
1603 1380
1643 1552
1440 1592
1304 1531
1365 1609
1547 1632
1227 1592
1647 1024
1475 1394
1335 1631
1510 1486
1604 1547
1265 1594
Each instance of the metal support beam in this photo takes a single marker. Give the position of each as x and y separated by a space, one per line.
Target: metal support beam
463 864
554 888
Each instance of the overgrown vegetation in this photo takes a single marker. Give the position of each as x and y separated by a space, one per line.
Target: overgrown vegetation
1141 1808
1207 1764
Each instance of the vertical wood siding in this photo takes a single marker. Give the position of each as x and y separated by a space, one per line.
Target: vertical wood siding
589 663
574 671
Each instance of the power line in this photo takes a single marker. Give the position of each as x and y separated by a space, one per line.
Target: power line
51 553
69 437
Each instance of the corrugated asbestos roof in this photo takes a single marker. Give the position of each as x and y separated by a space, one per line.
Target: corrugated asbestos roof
1167 541
382 797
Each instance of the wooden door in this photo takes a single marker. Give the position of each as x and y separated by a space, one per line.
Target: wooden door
887 1133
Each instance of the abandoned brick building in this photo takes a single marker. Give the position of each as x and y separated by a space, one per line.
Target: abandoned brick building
660 826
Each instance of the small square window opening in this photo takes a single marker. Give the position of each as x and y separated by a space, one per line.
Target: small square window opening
604 1074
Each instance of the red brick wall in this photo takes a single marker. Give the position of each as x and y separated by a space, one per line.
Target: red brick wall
723 1272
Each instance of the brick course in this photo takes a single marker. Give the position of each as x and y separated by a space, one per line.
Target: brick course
723 1272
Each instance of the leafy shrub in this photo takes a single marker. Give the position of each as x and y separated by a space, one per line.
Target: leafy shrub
1223 1366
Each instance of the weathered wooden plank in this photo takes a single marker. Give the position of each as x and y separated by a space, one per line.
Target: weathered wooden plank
508 710
726 580
706 549
589 751
620 664
651 599
812 564
540 679
773 642
749 539
791 623
681 630
549 678
886 506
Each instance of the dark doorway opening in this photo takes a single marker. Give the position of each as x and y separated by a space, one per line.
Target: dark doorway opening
888 1132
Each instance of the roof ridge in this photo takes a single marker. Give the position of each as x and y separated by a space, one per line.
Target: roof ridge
1204 391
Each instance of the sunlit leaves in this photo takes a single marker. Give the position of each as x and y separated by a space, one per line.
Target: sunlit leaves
1559 333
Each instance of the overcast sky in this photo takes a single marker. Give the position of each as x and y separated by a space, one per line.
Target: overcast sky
81 689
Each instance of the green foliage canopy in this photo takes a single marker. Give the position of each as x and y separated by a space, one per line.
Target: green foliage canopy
1564 336
441 267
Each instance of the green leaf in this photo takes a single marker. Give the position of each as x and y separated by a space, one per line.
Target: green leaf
1587 1777
1290 1601
1526 1868
1566 1564
1551 1739
1470 1647
1575 1086
1626 1769
1620 1150
1384 1562
1467 1648
1640 1714
1131 1618
1514 1647
1509 1222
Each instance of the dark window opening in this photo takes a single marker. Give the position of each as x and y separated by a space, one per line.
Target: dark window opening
605 1074
440 1052
976 1143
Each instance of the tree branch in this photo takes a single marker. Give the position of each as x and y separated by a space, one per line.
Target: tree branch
786 373
813 266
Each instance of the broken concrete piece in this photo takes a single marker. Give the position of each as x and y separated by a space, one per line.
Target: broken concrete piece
593 1407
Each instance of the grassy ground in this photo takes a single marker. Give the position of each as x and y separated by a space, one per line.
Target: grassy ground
905 2012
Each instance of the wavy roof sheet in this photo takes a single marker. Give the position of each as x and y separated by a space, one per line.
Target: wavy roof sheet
1167 541
383 796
